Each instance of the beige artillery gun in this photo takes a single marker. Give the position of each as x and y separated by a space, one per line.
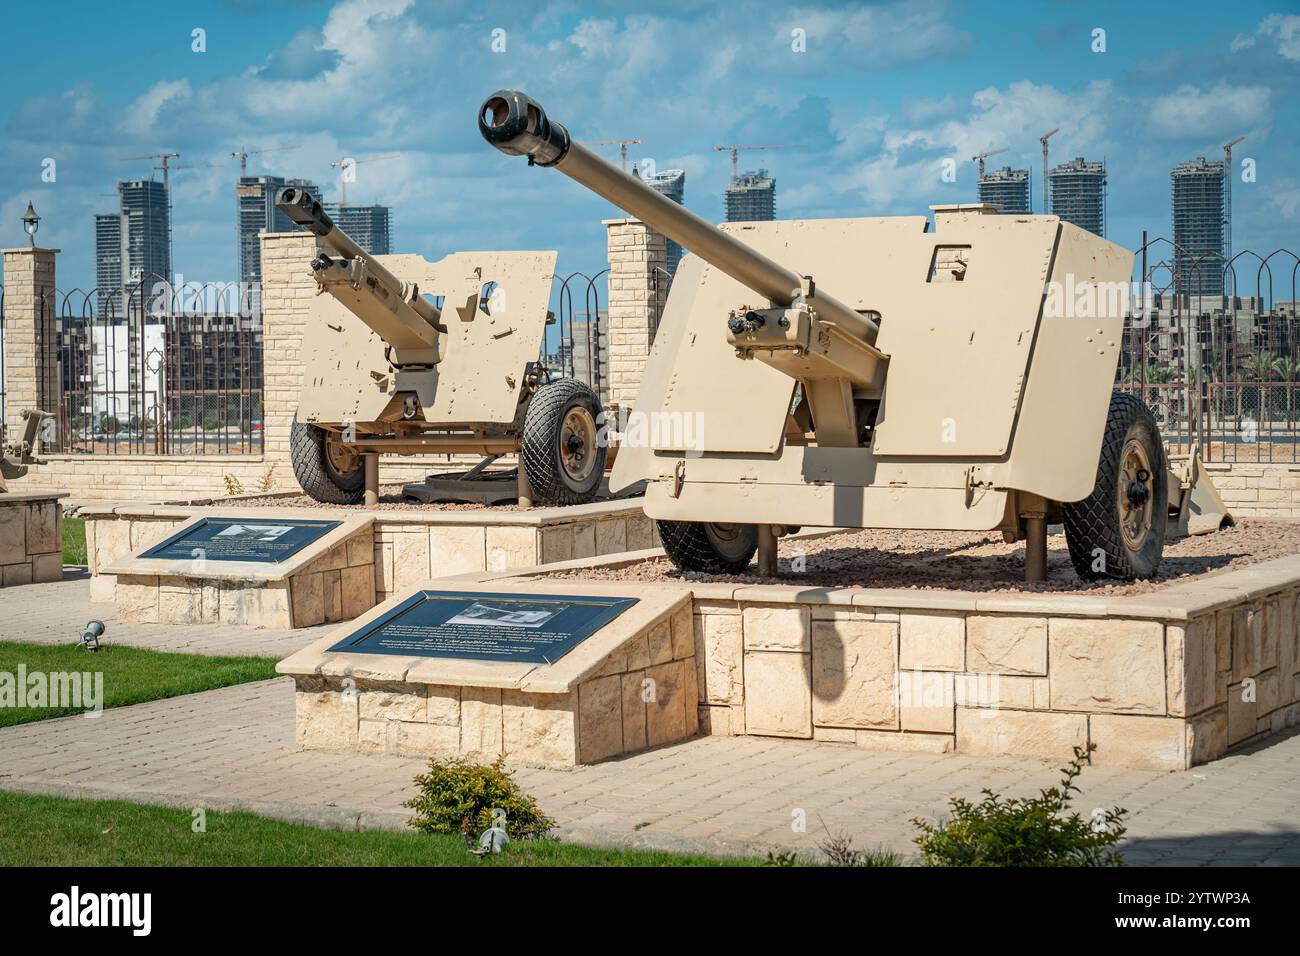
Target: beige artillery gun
403 356
959 378
18 456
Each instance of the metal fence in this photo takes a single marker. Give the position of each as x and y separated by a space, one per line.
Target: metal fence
578 344
153 374
1217 354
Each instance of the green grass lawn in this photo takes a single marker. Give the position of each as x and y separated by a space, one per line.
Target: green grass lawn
74 540
53 831
131 675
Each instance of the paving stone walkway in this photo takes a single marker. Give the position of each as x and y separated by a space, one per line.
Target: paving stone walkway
57 613
233 749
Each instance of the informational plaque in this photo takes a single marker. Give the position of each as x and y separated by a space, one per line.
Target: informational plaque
527 628
267 540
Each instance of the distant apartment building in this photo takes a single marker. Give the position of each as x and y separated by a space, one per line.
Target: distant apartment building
1006 188
751 197
367 225
132 244
1078 190
255 198
670 183
1198 226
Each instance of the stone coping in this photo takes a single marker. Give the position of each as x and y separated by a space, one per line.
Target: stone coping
1174 602
236 570
533 517
654 605
23 497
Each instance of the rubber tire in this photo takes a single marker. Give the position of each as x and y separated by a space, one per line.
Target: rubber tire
540 447
312 468
690 548
1094 522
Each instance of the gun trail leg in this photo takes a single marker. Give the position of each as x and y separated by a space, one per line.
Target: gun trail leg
371 464
1035 547
525 489
766 551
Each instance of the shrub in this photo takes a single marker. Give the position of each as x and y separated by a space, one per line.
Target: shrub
839 851
1031 831
233 485
457 796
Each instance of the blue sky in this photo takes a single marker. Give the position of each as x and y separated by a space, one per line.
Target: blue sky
883 94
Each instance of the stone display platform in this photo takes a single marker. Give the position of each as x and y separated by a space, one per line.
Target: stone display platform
629 686
330 579
31 537
1164 680
410 546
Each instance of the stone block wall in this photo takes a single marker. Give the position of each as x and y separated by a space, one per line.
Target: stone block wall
1258 489
1148 693
642 696
30 343
638 287
31 539
337 586
407 551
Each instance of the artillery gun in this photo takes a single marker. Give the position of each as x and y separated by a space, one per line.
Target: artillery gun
403 356
950 382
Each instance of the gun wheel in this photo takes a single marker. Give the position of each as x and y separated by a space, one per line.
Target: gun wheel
325 469
709 548
562 451
1119 530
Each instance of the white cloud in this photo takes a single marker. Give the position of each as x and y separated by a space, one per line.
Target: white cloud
1282 27
139 118
908 165
1193 112
1284 196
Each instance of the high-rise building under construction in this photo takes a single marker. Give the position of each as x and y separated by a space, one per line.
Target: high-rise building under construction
670 183
1006 188
1079 194
257 213
751 197
1198 226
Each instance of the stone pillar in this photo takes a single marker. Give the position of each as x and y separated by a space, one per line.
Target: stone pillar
287 290
31 357
638 287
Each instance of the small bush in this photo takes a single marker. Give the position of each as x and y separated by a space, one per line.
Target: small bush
457 796
839 851
1032 831
233 485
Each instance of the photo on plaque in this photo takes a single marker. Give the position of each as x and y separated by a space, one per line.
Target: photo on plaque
265 540
526 628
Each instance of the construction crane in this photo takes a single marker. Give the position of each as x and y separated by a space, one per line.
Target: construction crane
736 149
243 153
166 156
622 145
1227 199
345 163
1043 139
979 158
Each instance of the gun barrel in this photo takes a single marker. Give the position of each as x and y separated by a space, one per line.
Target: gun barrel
518 126
305 210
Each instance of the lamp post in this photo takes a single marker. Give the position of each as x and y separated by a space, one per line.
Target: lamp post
31 223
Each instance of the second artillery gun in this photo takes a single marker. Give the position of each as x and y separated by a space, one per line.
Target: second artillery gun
954 383
406 357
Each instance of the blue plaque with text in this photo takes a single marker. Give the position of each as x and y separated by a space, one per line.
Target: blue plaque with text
527 628
268 540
